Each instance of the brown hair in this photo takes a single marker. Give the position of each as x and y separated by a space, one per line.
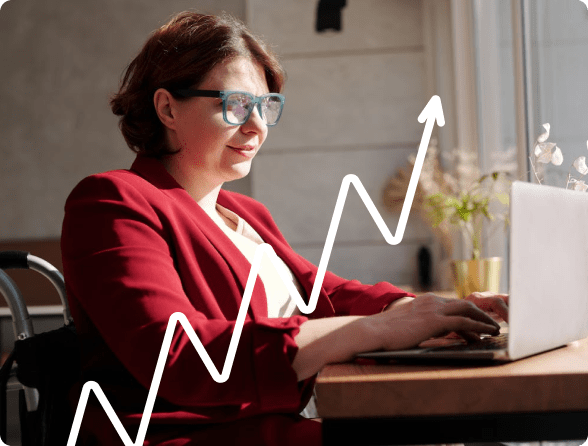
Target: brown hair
178 55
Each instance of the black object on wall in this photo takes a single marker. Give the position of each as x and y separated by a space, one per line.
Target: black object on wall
425 268
328 14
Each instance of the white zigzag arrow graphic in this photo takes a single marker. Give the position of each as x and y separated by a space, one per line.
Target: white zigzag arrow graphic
432 111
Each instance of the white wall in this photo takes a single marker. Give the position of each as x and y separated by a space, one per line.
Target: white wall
60 62
352 101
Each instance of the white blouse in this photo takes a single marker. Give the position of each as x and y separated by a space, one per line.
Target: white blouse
279 302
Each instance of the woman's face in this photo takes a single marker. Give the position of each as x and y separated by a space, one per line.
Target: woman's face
208 145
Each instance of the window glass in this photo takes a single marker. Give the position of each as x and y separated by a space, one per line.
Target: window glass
559 61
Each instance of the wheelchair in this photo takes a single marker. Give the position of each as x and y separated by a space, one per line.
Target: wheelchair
42 367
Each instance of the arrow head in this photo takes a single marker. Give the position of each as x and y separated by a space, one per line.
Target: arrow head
433 110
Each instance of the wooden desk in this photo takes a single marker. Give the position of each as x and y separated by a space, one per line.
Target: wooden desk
544 397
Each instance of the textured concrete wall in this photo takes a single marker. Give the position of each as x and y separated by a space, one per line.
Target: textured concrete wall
60 60
352 101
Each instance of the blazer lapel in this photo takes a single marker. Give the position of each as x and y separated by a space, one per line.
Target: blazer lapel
154 171
305 275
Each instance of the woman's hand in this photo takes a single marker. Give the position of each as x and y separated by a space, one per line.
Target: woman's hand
427 316
494 304
339 339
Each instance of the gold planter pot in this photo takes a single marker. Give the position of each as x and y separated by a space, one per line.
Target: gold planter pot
476 275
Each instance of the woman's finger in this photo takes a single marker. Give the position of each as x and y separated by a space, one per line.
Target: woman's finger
498 303
461 324
469 336
468 309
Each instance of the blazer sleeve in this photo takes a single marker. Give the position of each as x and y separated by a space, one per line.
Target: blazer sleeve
119 267
351 297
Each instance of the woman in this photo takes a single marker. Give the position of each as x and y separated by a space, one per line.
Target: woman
163 237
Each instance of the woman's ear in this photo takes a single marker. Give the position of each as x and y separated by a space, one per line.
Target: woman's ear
165 107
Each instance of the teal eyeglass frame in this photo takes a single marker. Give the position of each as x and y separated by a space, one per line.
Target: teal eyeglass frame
224 94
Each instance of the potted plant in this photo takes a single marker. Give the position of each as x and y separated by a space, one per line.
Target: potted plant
468 204
460 201
467 208
467 199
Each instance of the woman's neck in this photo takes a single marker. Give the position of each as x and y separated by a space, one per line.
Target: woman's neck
201 190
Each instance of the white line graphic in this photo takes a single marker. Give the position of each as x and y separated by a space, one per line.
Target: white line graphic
432 112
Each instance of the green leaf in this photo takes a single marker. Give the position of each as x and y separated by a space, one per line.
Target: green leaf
503 198
464 213
452 202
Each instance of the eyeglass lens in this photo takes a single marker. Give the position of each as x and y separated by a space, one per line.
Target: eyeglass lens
239 106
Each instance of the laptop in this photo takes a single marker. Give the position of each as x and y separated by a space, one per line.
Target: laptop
548 303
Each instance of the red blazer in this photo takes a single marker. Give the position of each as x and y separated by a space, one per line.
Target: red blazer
136 249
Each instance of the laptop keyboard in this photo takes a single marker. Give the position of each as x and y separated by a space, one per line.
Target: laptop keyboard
499 342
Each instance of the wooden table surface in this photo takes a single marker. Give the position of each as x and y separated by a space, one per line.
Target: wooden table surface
543 397
552 381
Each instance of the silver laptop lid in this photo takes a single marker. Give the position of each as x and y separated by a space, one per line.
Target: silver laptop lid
548 304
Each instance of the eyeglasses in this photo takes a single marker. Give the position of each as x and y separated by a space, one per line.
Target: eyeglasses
238 105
